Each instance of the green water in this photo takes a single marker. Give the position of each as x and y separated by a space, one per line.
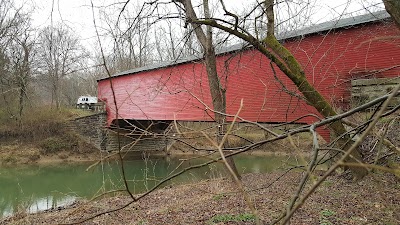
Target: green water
40 187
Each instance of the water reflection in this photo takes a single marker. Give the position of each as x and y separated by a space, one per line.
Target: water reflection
50 202
35 188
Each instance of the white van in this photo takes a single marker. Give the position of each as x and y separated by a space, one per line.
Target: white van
85 102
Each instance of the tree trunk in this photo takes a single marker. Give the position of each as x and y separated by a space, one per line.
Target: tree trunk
56 91
393 8
22 92
23 81
217 92
295 72
219 101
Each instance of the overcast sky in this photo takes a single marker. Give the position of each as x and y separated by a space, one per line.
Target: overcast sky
77 14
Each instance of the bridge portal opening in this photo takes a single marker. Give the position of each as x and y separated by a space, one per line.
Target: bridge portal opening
140 127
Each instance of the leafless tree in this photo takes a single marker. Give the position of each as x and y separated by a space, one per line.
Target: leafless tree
59 54
16 49
217 90
76 85
129 37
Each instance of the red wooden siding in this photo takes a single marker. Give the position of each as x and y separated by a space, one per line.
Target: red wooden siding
330 62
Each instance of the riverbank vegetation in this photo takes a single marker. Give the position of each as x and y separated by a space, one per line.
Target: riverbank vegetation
41 135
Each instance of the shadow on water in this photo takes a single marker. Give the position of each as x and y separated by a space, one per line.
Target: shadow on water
39 187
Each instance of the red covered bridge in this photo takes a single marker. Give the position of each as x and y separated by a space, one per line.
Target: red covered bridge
332 54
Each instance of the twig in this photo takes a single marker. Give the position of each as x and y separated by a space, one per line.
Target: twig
115 103
344 156
310 168
238 182
372 166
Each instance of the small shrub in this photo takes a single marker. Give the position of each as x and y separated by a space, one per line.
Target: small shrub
324 216
327 213
56 144
327 183
142 222
10 159
52 145
218 197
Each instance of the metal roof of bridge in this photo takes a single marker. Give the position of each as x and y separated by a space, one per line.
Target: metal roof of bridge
322 27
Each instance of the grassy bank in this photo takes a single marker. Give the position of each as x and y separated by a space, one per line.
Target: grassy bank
41 135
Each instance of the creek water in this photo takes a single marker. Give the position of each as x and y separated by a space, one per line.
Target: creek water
34 188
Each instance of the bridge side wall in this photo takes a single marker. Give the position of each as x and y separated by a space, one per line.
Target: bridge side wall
93 129
330 62
127 143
